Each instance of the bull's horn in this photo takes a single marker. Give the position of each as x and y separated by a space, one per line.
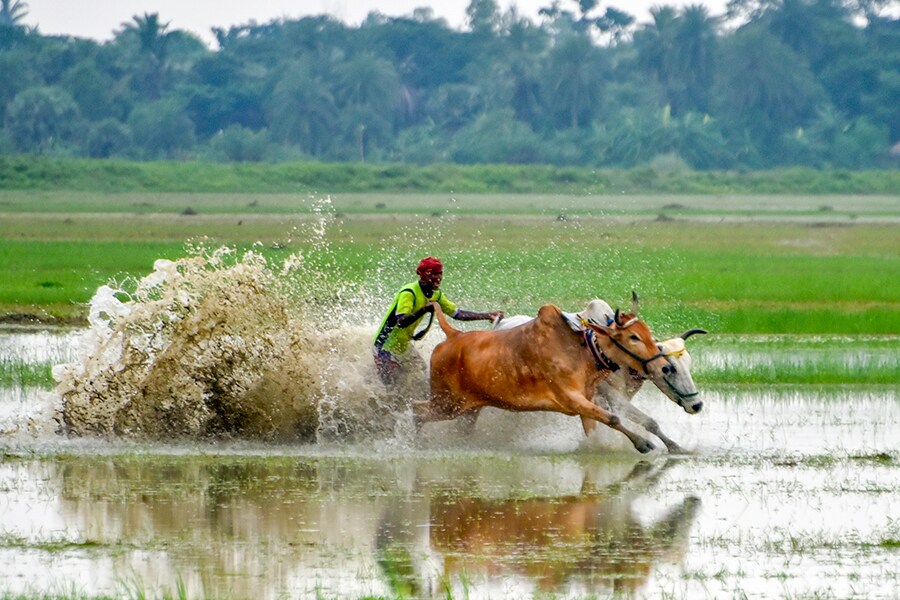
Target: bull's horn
634 302
691 332
616 318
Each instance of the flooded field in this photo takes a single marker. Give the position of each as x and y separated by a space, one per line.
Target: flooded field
789 491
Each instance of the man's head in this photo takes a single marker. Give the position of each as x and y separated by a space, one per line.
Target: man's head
430 272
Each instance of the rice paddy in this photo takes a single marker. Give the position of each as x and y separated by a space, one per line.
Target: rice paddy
789 489
738 265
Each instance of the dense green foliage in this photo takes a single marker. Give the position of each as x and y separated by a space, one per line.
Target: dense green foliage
92 175
777 83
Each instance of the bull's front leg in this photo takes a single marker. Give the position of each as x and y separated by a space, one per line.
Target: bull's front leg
585 408
630 411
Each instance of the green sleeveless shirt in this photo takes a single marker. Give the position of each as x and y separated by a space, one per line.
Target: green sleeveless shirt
408 300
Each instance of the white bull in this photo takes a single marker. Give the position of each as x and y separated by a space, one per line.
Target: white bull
616 391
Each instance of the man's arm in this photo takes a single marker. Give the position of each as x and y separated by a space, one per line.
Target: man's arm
469 315
405 320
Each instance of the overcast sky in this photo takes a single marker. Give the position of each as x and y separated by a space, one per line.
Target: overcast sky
98 19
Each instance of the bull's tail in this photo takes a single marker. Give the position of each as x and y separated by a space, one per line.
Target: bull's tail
449 330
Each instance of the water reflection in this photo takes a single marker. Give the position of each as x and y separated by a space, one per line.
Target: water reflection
590 542
34 345
268 527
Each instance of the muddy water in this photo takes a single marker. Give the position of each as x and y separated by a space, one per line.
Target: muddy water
788 492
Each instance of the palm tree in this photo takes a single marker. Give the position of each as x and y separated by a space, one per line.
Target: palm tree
694 50
366 79
150 63
655 46
12 12
368 90
302 109
151 34
766 87
680 49
575 78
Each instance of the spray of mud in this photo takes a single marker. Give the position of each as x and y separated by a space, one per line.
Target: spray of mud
222 344
228 345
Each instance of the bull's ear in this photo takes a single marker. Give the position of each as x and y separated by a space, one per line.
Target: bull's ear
634 302
604 329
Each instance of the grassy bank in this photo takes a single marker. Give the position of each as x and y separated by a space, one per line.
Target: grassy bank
796 264
36 173
804 277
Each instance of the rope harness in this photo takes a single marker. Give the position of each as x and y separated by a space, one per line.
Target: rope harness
601 360
595 347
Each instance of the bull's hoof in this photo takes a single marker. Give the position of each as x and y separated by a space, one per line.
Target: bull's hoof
645 446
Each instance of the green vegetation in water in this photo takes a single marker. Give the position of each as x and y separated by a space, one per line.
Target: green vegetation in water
51 546
881 458
798 360
127 591
15 372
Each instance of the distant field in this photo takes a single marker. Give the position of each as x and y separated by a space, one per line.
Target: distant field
749 264
837 207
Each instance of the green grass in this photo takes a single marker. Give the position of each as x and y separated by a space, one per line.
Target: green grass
20 373
781 360
44 173
512 252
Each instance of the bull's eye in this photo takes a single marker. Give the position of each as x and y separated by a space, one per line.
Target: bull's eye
635 338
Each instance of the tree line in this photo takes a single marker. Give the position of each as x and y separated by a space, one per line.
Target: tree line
771 83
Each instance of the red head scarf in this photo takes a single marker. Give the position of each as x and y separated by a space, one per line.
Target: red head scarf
430 263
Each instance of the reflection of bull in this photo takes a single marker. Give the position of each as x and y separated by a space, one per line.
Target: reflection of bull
592 538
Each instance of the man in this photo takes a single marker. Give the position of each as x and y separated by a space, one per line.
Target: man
394 356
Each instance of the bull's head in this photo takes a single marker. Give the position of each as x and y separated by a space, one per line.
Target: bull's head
668 364
674 379
628 341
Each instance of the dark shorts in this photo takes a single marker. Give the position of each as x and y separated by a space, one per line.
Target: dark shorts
388 366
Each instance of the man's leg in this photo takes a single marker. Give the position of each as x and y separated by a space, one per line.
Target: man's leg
388 367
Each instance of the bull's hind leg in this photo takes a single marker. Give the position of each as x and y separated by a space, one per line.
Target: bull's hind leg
444 405
589 424
587 409
467 421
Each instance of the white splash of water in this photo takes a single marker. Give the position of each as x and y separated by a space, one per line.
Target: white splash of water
216 345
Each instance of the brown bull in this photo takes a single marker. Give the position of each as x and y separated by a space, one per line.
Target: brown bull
541 365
